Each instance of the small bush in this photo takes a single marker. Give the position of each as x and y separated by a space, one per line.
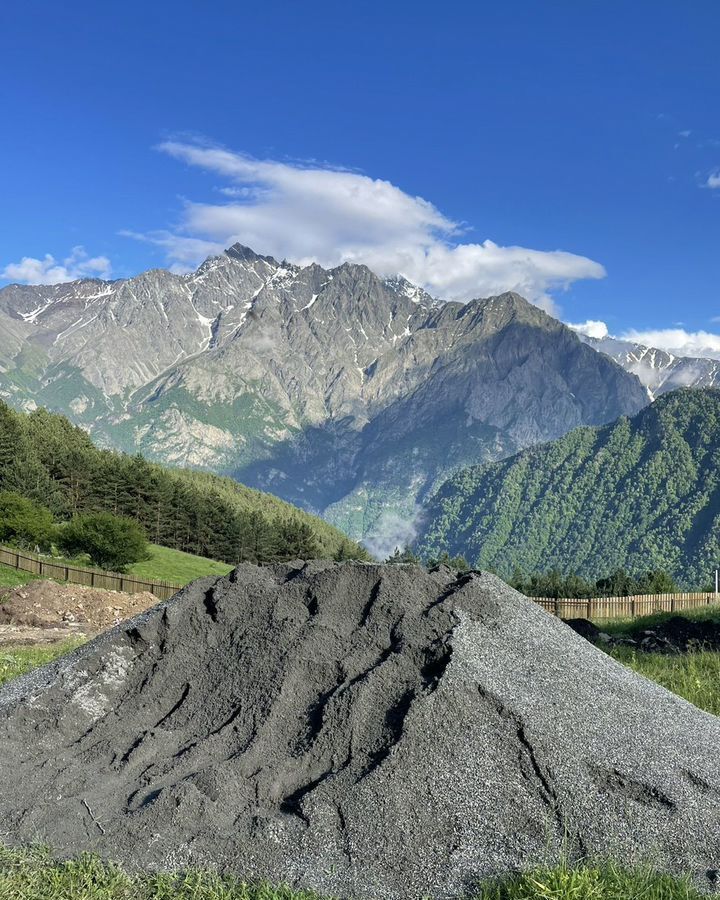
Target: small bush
111 542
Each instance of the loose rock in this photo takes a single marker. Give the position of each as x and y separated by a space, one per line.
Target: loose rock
368 731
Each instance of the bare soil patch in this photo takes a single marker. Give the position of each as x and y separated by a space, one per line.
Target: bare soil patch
44 612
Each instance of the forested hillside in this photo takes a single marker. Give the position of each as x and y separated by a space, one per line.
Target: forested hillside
642 493
45 458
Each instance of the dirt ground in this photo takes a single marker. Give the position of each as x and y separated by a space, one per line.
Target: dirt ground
45 612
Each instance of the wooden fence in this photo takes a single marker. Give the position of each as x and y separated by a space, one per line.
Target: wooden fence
595 608
625 607
96 578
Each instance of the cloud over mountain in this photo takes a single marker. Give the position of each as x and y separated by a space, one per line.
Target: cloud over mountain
313 213
49 270
678 341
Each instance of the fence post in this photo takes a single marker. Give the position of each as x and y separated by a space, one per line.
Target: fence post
672 604
633 608
557 607
92 578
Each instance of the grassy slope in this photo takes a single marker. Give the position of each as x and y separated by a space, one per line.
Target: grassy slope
10 578
178 567
694 676
164 564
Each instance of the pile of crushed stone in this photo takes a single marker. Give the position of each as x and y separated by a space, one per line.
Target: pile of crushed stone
44 610
368 731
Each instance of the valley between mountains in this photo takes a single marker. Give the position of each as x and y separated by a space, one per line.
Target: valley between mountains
347 394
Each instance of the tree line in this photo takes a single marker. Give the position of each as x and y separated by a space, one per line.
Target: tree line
554 584
46 459
620 583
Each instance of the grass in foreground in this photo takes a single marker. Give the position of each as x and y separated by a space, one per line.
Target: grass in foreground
606 881
16 661
33 875
693 676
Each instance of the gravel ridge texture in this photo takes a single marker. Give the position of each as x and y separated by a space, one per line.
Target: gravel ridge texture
368 731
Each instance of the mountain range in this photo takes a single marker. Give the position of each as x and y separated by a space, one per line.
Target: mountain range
350 395
642 493
658 370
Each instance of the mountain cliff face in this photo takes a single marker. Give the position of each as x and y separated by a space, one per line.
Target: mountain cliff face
658 370
348 394
640 493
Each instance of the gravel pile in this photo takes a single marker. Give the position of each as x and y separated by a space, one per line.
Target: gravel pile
369 731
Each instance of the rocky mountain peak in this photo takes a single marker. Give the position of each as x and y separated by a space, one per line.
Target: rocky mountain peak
337 389
247 254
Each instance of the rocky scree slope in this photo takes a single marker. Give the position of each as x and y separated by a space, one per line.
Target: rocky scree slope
367 731
335 389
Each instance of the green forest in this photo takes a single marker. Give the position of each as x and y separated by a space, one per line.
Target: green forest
44 458
641 494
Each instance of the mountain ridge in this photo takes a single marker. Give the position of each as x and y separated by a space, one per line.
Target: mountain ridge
659 370
640 493
344 392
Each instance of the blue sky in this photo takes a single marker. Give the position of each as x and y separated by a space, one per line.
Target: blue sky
150 133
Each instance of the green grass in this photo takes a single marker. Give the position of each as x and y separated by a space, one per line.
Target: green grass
34 875
164 565
10 578
16 661
694 676
606 881
176 566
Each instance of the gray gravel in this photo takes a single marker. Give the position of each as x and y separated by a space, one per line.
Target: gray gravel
369 731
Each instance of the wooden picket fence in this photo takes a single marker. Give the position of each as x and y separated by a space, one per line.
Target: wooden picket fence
625 607
96 578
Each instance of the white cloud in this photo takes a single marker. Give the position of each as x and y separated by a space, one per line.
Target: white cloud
713 179
677 341
393 531
309 213
592 328
51 271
